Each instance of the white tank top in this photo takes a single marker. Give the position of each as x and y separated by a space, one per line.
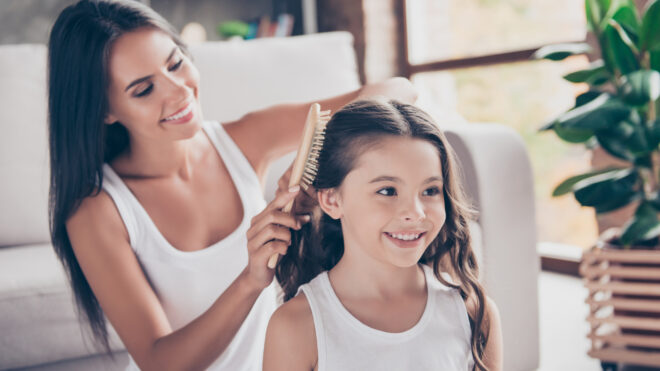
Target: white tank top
439 341
187 283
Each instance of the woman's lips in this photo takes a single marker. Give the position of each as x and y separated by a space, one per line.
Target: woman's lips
181 116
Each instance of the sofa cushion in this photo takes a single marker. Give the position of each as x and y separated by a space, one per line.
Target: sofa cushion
243 76
39 322
23 145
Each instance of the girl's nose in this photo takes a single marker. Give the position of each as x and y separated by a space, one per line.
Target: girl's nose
413 210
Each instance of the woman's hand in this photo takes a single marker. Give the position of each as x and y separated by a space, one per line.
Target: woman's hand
269 234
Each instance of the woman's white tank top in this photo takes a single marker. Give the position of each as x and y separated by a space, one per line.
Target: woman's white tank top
187 283
439 341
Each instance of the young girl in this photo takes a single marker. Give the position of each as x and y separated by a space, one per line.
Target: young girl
157 214
392 215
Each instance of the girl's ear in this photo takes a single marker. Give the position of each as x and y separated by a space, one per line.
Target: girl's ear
109 119
329 202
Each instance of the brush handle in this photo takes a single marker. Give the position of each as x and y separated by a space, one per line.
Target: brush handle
313 117
272 261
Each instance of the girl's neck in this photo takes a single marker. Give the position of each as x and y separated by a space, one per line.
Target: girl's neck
151 159
357 277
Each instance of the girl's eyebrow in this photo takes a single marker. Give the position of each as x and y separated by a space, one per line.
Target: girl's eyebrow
141 79
387 178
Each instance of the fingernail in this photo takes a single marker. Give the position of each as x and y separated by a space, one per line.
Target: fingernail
306 218
294 189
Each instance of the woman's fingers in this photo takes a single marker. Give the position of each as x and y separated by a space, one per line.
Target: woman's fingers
270 232
275 217
277 204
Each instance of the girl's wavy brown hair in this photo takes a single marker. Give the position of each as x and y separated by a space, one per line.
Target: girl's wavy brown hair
319 245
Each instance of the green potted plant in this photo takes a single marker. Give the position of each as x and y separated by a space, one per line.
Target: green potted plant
619 113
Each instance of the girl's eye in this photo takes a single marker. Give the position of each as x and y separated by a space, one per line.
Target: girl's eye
433 191
387 191
176 65
145 92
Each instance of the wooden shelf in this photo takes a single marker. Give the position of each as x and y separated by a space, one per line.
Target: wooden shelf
607 275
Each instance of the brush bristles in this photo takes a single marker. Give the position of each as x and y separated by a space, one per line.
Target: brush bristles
311 165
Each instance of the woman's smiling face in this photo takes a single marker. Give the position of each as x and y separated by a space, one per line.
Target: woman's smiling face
391 204
154 87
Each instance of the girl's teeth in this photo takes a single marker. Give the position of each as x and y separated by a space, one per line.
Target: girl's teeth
405 237
180 115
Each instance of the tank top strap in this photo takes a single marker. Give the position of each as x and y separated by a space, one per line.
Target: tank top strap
235 160
316 305
122 197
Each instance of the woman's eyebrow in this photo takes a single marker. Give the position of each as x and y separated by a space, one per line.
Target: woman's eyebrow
141 79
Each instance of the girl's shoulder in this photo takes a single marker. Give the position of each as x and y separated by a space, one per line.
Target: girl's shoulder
290 328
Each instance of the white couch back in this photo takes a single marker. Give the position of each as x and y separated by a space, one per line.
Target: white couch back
23 145
237 77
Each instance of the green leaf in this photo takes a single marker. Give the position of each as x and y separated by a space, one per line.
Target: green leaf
600 113
558 52
594 75
625 37
655 60
643 226
615 146
626 14
608 191
617 51
651 27
567 185
654 134
616 203
640 87
595 11
626 140
586 97
572 135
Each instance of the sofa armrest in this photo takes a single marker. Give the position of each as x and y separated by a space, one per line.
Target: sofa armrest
497 177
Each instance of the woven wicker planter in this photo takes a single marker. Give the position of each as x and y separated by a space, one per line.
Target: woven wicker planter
624 305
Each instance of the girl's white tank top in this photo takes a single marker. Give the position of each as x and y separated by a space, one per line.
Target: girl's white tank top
439 341
187 283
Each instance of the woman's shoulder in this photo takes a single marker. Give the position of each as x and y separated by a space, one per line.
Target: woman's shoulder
96 216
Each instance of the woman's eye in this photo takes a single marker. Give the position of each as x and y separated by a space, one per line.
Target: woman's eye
145 92
388 191
176 65
433 191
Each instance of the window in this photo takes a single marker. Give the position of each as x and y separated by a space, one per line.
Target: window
470 61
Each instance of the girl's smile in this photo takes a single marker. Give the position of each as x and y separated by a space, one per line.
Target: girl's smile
391 204
405 239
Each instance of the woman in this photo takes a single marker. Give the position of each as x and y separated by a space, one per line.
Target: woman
158 215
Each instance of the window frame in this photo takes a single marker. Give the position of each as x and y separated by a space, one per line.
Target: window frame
555 262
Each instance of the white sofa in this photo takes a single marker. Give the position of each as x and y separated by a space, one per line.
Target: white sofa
38 326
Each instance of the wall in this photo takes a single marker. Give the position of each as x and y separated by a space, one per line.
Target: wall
29 21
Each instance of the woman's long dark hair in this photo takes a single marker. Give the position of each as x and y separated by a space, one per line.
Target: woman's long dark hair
319 245
80 141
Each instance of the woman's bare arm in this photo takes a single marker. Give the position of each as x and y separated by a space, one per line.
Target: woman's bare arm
270 133
101 246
